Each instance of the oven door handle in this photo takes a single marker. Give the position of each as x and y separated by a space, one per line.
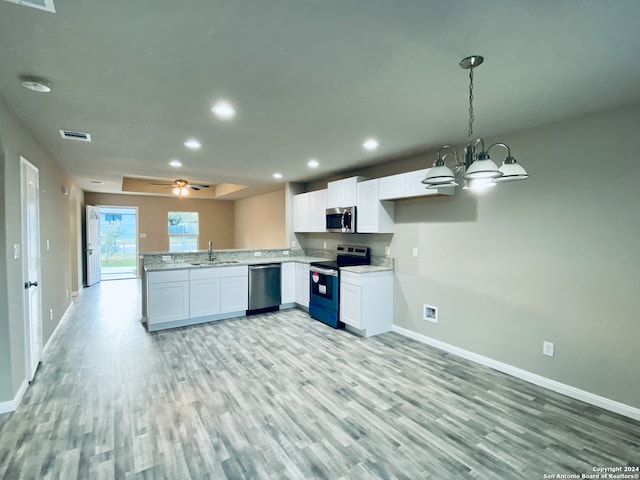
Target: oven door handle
324 271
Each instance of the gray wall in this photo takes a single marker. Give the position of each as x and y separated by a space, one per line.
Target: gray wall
551 258
55 210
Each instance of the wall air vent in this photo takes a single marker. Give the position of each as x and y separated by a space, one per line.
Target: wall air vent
71 135
46 5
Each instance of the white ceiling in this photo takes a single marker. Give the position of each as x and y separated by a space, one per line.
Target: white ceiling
308 78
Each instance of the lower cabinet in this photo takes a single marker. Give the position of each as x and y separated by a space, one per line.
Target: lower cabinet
366 301
182 297
167 296
302 284
288 283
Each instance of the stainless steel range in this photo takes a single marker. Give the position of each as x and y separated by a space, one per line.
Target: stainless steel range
324 279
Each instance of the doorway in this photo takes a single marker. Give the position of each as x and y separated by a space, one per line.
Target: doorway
118 242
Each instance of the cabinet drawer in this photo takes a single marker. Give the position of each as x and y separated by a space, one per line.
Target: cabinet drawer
168 276
351 278
218 272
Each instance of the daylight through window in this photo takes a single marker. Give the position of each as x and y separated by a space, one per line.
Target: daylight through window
183 231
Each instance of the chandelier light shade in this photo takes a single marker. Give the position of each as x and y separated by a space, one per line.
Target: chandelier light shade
478 170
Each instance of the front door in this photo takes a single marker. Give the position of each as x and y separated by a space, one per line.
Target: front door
93 245
30 200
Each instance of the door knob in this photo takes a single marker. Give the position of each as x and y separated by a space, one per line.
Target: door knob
30 284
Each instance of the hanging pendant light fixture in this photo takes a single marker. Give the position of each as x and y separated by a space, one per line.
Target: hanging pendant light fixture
477 169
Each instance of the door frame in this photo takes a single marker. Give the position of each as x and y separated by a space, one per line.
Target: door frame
131 207
32 320
88 252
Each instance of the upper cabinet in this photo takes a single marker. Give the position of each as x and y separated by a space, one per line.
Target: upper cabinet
309 211
343 193
373 215
406 185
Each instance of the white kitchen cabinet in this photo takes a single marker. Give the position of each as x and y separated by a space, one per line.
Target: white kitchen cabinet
302 284
167 297
317 211
301 212
234 294
204 296
366 301
218 290
309 211
343 193
288 283
373 215
409 184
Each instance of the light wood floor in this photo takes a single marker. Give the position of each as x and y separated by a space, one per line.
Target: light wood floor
282 396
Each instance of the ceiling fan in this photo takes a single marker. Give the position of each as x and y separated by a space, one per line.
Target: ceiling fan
181 187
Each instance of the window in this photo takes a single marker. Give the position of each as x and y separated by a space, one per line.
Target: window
183 231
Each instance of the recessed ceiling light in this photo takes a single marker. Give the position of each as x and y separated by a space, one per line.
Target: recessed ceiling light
36 84
98 182
313 163
193 144
175 163
370 144
277 176
223 109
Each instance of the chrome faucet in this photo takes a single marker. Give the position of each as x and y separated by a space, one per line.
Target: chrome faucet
211 257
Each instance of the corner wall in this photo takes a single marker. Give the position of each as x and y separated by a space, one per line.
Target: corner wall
260 221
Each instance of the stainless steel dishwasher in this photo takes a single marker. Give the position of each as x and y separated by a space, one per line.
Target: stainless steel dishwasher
264 287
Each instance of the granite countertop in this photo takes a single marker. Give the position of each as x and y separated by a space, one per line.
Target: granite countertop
157 267
366 269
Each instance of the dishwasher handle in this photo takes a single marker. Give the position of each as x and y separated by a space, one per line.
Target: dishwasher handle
262 267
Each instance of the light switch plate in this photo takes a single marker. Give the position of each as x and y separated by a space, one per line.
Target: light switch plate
548 349
143 235
415 252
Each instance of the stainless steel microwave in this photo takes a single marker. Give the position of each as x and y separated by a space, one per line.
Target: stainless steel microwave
341 219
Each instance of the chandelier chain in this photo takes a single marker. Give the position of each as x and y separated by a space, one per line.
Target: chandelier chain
470 104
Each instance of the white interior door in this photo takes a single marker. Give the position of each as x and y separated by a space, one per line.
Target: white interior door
30 203
93 245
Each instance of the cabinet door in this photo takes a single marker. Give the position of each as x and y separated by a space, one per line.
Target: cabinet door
392 187
350 191
351 304
301 213
317 211
288 282
302 284
168 301
368 206
234 294
414 186
334 194
204 297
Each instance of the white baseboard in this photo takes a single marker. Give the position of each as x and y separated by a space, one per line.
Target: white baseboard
55 330
568 390
11 405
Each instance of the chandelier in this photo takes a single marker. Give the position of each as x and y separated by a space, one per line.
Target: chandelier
477 169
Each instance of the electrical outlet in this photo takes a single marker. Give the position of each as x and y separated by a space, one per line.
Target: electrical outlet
324 245
548 349
143 235
66 292
51 314
430 313
415 252
257 254
286 252
16 251
166 258
387 250
294 244
47 244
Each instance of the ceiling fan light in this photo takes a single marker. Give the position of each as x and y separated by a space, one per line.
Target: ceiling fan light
512 171
485 168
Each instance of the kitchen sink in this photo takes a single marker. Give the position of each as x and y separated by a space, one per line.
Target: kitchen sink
215 262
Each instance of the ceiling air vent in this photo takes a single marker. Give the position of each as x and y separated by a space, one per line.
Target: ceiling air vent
46 5
71 135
